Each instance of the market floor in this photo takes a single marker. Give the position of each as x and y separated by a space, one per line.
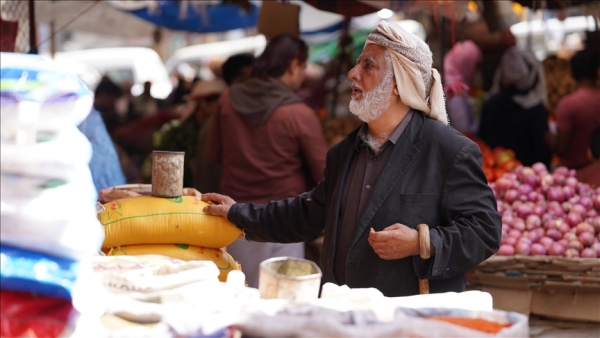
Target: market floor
546 328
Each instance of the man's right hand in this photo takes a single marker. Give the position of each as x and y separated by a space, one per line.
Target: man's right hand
220 204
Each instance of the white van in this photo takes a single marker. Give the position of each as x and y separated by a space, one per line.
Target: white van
134 64
198 56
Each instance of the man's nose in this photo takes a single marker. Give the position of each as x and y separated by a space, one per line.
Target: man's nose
353 74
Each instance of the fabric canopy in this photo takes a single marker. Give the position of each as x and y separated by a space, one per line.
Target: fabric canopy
91 16
192 16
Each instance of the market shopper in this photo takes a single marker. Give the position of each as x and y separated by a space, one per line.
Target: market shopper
578 114
460 65
515 116
590 174
269 142
403 167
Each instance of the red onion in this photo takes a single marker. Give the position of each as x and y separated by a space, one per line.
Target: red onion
538 249
573 219
503 184
572 173
590 214
532 222
571 182
509 240
575 245
519 224
596 224
539 231
596 202
589 253
569 236
539 210
564 228
559 180
515 205
554 234
584 227
507 217
574 199
563 242
586 238
568 192
510 176
578 208
566 206
524 189
533 196
551 224
525 239
586 202
554 194
506 250
547 181
524 210
514 233
555 207
546 242
584 189
571 253
596 247
522 248
556 250
531 180
533 236
539 168
511 195
564 171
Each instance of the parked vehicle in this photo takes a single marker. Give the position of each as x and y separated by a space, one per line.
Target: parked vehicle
134 64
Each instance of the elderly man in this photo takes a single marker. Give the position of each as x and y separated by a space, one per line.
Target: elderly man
403 167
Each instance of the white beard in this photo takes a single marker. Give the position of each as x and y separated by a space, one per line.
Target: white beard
375 101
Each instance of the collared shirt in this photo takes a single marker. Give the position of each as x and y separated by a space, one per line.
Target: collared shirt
360 181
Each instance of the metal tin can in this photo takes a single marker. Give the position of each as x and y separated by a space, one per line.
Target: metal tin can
167 173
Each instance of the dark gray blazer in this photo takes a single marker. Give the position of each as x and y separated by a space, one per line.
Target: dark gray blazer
433 176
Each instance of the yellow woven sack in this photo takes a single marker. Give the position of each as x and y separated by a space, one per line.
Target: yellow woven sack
153 220
222 259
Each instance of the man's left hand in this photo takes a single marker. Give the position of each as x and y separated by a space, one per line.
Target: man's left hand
395 242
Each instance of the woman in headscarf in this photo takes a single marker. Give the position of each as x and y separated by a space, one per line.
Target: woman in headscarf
460 65
515 116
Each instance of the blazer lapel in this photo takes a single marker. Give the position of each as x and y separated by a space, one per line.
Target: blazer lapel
400 160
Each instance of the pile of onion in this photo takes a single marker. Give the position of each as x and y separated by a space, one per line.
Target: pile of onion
548 213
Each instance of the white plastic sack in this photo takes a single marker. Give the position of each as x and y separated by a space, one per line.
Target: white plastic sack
56 158
62 98
303 320
46 216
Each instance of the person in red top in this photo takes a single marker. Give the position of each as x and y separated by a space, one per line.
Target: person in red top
578 114
269 142
590 174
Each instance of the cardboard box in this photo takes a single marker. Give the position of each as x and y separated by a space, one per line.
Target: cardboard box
578 305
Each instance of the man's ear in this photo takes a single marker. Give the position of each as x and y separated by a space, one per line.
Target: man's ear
395 91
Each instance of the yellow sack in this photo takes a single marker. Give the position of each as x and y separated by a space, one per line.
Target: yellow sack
153 220
222 259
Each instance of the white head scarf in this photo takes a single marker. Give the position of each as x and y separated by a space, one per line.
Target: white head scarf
519 69
419 85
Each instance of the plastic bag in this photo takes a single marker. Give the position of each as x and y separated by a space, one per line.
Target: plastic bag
25 315
22 270
58 157
63 99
